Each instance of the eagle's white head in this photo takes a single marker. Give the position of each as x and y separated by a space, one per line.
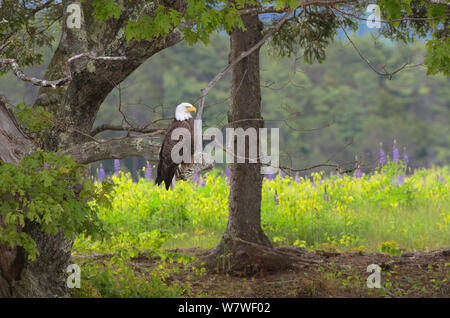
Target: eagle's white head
182 112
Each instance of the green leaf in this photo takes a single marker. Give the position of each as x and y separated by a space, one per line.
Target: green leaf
106 9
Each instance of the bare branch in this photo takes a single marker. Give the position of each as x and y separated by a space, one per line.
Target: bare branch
56 83
338 167
213 82
119 106
142 129
45 5
385 73
4 45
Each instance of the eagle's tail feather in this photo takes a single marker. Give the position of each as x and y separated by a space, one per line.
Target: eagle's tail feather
159 175
165 175
169 176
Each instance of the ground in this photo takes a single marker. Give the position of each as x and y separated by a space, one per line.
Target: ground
329 274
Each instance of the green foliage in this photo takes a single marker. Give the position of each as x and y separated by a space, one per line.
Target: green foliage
309 35
428 21
438 56
41 189
125 245
106 9
148 27
360 213
201 18
391 248
119 277
33 119
394 9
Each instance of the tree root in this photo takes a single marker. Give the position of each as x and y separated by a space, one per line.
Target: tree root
238 257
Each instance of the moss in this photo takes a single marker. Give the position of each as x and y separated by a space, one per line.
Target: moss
138 143
91 66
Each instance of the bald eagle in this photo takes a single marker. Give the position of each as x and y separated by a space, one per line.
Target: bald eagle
168 170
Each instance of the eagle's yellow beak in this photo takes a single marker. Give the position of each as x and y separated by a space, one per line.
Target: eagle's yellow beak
192 109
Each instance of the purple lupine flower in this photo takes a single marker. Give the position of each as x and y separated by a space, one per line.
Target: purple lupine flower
395 153
196 178
325 195
282 174
203 183
441 178
270 176
298 179
400 179
101 173
148 172
382 157
277 201
116 166
405 156
358 171
227 172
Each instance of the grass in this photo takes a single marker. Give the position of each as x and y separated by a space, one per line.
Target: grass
359 213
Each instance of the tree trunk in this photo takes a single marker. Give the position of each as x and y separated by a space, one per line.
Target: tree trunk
244 202
244 248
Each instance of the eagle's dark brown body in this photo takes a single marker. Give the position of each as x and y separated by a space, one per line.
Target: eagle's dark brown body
166 167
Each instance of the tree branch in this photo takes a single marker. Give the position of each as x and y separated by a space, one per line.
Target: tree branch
141 129
56 83
14 144
116 148
384 73
4 45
